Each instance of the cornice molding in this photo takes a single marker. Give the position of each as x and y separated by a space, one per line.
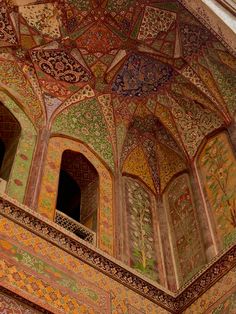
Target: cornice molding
228 5
173 302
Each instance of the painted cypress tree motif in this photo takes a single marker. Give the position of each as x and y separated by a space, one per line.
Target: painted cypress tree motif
142 244
218 167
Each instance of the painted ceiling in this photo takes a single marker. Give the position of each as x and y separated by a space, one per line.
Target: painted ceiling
140 82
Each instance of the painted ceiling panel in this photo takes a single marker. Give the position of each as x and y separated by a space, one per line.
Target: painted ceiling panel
130 64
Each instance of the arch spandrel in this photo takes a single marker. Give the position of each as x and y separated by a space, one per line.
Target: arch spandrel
15 82
86 122
19 174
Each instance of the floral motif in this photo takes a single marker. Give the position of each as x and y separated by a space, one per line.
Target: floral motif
155 21
99 38
86 122
43 17
7 33
218 167
141 75
140 229
13 78
193 37
193 122
189 255
60 65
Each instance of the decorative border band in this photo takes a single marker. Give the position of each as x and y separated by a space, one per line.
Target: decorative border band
207 278
87 253
58 236
26 302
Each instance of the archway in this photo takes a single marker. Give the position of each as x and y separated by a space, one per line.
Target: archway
2 152
10 131
48 194
78 189
21 163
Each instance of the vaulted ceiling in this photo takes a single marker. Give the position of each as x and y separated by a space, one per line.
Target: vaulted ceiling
141 82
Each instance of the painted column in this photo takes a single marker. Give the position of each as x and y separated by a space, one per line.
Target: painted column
35 177
208 232
232 133
122 247
166 249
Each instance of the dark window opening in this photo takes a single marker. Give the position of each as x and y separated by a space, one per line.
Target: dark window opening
2 152
78 190
68 200
10 130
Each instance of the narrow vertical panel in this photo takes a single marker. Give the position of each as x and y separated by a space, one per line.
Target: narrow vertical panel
217 166
20 169
184 230
140 228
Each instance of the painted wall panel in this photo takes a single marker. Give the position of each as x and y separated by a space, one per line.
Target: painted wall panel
142 240
185 234
217 166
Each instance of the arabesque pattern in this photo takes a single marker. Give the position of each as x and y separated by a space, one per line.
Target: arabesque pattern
136 87
119 50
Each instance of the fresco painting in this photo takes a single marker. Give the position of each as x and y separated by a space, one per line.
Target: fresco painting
217 165
141 236
185 233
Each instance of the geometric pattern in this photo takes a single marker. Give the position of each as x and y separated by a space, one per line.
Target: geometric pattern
150 152
38 255
52 298
127 50
56 280
9 304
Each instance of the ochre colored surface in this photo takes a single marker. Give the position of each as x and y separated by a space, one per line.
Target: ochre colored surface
217 165
219 299
44 273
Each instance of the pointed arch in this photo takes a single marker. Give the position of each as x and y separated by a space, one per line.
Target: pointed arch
19 174
48 194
